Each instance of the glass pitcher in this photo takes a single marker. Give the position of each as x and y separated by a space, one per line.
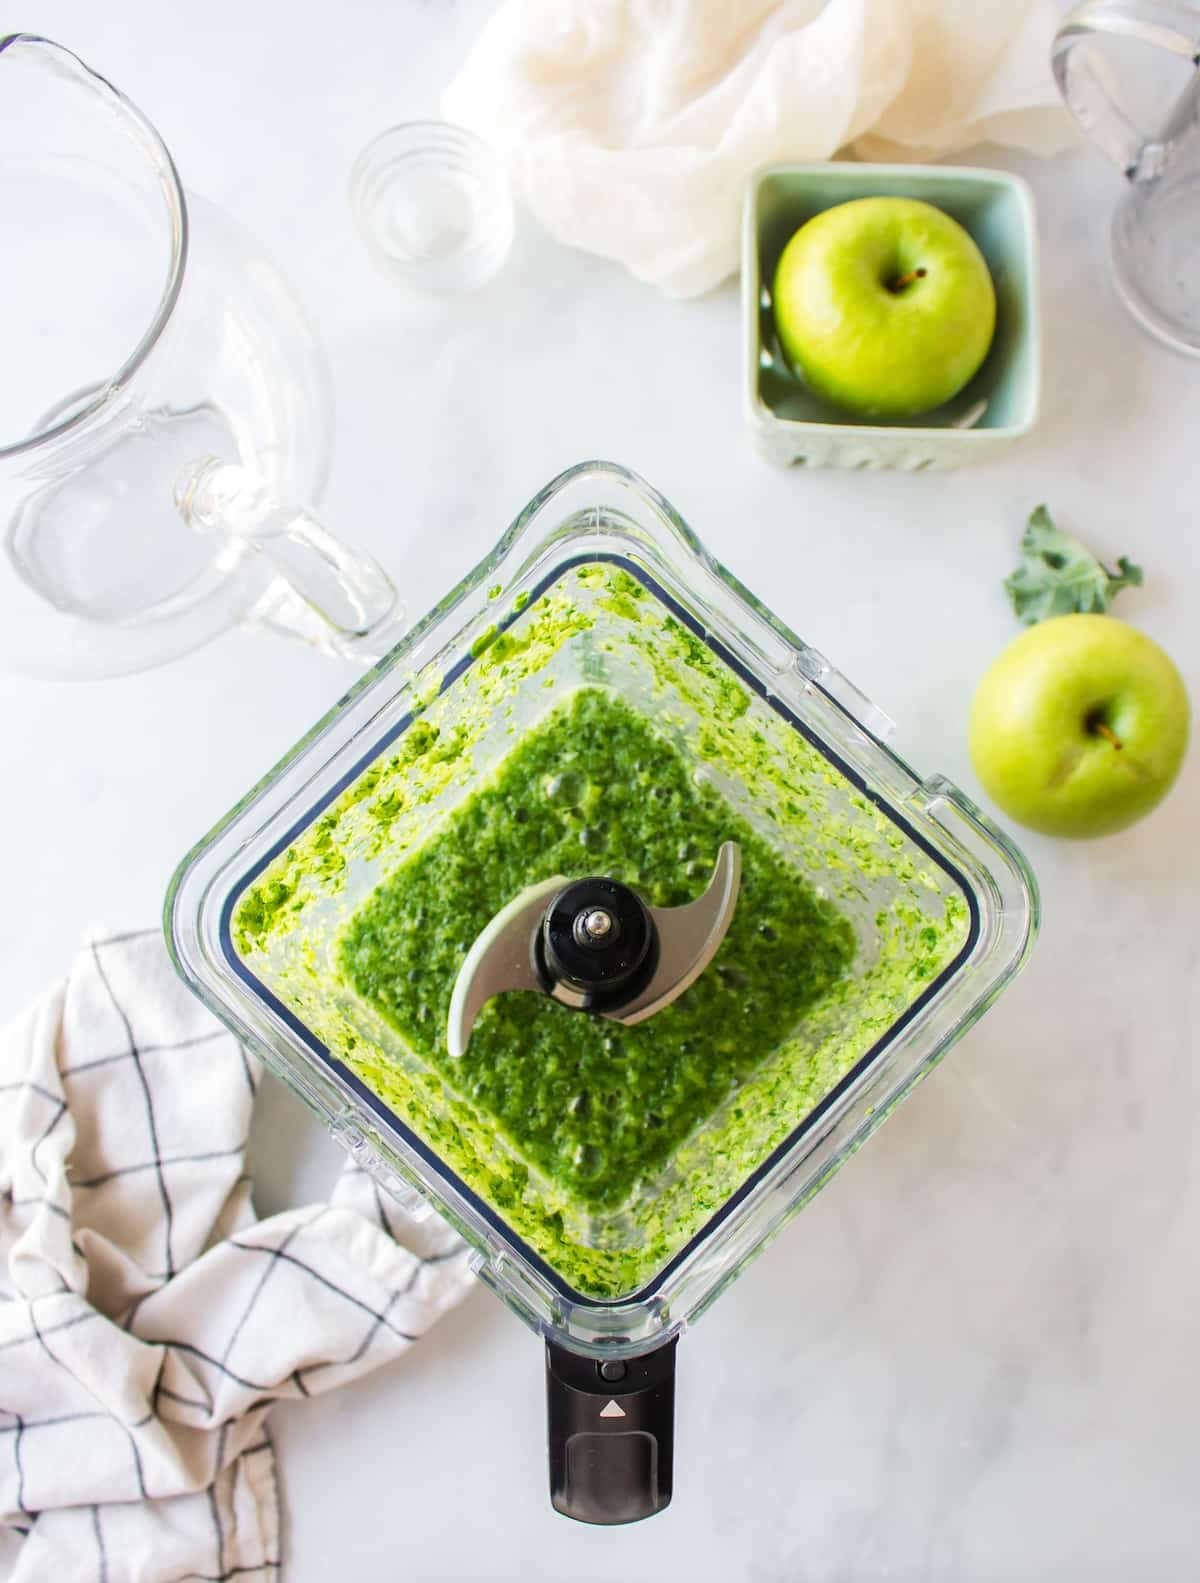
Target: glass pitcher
163 404
1156 228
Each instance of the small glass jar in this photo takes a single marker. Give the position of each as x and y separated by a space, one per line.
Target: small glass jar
433 204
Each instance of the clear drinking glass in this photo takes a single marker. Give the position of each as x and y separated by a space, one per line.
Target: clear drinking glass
433 204
163 405
1105 52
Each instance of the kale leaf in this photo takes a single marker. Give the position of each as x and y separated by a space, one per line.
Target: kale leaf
1059 576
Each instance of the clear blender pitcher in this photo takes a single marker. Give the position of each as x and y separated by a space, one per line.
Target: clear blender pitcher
163 405
711 1121
1105 50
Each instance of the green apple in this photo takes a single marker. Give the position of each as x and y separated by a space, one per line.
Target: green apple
884 306
1080 727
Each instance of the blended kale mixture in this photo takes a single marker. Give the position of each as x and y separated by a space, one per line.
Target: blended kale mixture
595 1107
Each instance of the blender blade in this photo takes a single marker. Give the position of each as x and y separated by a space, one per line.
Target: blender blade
508 954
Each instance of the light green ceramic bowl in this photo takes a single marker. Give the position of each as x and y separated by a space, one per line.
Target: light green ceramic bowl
792 425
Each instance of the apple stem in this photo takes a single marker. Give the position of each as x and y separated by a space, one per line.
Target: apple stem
901 281
1108 734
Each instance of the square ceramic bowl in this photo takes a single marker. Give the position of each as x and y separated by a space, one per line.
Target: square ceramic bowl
792 425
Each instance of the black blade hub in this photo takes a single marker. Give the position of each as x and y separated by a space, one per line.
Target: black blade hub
598 940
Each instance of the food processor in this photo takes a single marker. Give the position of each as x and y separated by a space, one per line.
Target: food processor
599 918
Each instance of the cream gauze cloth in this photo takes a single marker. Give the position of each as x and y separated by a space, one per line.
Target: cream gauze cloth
147 1319
631 126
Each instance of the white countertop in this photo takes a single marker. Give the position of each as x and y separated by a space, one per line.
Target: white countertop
974 1356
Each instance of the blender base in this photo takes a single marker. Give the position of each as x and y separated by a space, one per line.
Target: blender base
611 1432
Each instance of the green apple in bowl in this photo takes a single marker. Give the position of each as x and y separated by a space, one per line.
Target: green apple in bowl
884 306
1080 727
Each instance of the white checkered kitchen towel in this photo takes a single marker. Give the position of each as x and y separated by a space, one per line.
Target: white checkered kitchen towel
147 1320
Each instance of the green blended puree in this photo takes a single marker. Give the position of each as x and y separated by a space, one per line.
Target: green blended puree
595 1108
605 1149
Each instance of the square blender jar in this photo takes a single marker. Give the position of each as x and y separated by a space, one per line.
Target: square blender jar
600 599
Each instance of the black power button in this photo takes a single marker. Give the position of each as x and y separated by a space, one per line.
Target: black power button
613 1369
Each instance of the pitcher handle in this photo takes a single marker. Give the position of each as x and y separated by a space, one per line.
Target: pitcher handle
317 589
1082 80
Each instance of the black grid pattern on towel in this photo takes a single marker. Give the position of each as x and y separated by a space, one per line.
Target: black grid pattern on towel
206 1364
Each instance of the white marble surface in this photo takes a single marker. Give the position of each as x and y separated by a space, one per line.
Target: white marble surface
973 1358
